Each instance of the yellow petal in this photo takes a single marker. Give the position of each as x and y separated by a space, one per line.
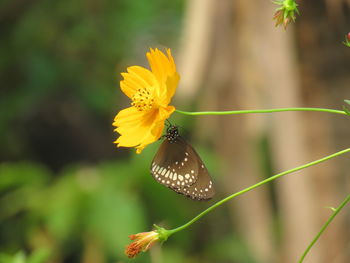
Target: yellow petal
137 78
162 66
143 75
155 134
128 116
171 84
164 70
134 134
165 112
157 129
138 129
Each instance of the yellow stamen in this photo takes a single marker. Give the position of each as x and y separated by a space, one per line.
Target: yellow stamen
142 99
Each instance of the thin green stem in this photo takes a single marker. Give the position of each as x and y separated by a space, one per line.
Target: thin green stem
255 186
258 111
336 211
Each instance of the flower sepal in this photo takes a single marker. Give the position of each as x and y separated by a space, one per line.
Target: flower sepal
286 12
163 233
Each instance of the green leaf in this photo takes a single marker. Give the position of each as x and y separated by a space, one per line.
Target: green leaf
347 101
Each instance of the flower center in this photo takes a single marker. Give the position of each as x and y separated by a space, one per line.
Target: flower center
142 100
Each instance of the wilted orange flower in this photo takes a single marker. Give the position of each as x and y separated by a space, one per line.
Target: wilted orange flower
150 93
142 242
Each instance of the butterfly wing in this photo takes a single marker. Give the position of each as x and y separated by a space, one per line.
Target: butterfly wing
203 188
175 164
178 166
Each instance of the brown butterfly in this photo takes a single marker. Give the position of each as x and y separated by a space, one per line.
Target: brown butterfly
178 166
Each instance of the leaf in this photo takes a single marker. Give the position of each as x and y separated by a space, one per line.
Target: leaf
347 101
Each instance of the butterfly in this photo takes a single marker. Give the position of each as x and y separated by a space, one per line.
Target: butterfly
178 166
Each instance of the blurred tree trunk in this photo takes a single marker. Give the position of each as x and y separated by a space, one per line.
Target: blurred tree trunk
238 137
234 51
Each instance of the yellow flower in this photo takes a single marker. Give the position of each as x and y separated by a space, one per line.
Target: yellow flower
150 93
142 242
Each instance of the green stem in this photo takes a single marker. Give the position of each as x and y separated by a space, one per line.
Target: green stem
172 231
336 211
258 111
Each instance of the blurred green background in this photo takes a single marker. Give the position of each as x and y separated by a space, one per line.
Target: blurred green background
67 194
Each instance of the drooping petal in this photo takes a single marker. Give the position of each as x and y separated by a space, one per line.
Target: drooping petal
135 130
165 112
155 134
138 129
158 126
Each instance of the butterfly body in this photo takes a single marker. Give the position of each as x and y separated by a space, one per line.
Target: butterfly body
178 166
